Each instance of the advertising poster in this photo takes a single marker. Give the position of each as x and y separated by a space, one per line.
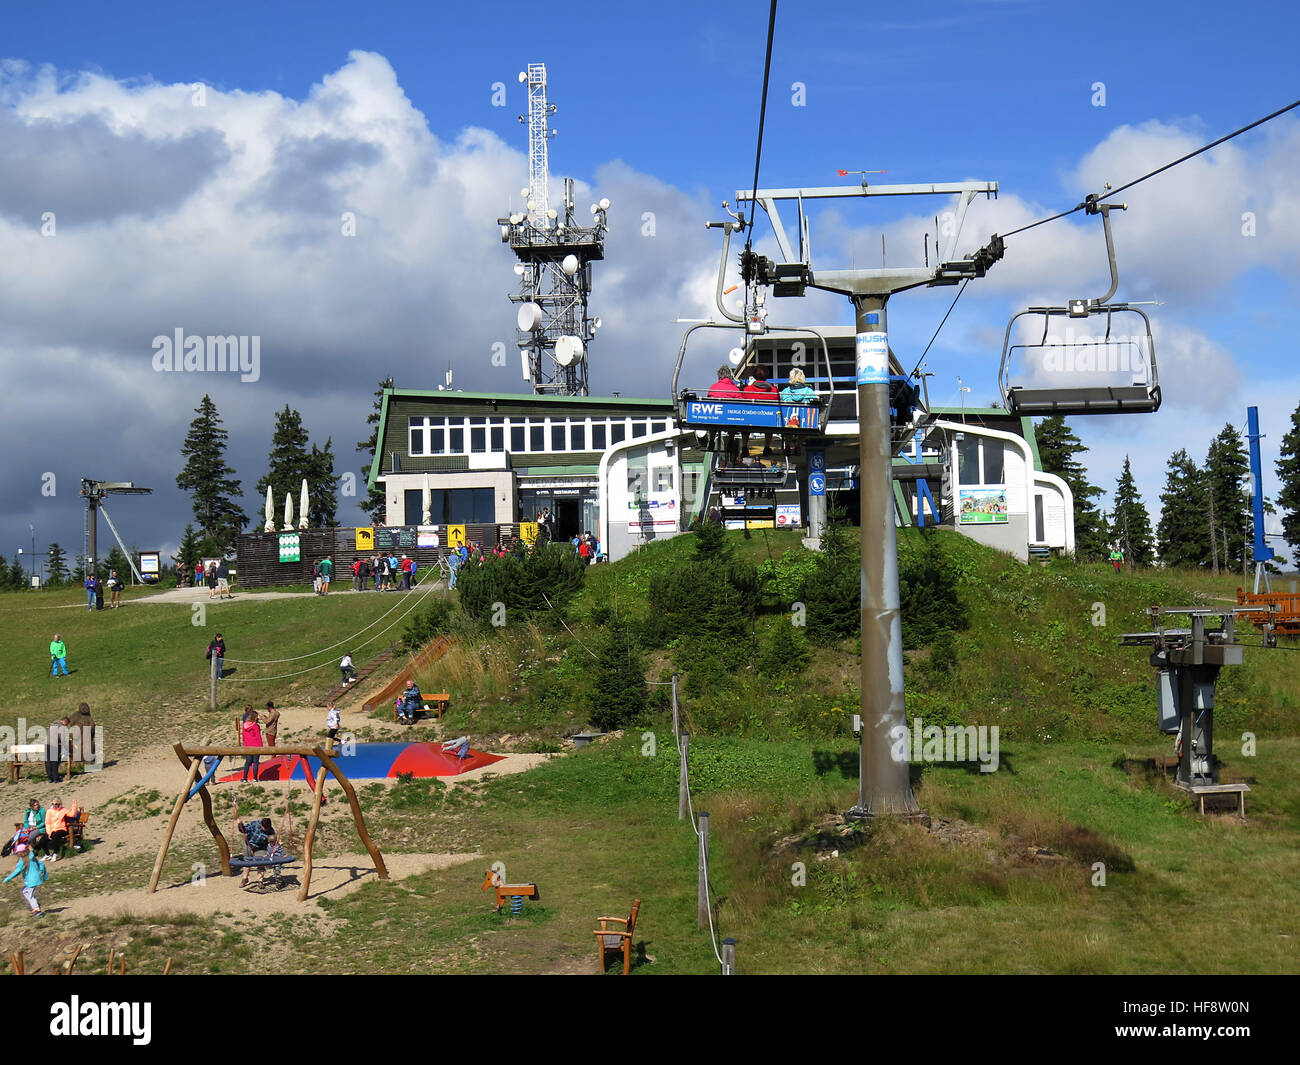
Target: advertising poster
980 506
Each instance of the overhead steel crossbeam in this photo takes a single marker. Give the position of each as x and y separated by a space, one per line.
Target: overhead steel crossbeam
884 281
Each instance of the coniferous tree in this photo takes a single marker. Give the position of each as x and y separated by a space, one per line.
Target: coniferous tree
115 560
1226 467
188 552
4 574
288 462
57 572
1182 531
375 503
79 569
323 487
17 575
1288 475
619 692
207 477
1059 449
1130 524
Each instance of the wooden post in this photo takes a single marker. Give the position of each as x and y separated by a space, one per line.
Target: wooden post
728 957
311 833
677 728
328 763
171 826
683 784
702 900
212 684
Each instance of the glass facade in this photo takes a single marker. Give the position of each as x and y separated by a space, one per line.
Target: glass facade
443 435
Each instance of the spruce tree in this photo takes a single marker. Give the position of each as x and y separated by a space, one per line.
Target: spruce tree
323 487
188 552
17 575
375 503
288 462
115 560
1226 468
1059 450
1183 530
4 574
207 477
619 692
57 571
1288 475
1130 524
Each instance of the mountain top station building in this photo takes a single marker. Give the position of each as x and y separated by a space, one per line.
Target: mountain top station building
622 468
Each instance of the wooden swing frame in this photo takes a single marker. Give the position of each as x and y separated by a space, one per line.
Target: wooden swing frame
192 759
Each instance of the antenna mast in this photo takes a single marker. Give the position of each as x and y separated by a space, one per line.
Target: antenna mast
555 252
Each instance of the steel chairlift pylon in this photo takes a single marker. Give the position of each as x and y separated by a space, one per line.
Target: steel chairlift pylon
1109 354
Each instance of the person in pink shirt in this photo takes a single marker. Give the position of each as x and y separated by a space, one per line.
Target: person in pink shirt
250 735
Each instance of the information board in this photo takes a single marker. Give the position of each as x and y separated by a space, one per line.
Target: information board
396 538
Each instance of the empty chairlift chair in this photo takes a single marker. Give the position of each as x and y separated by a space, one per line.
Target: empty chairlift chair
1107 366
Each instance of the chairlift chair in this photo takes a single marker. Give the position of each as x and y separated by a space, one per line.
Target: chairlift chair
1127 359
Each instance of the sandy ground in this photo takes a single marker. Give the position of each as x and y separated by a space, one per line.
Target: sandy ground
159 769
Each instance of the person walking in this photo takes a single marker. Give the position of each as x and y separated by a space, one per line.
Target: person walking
375 570
33 872
211 578
217 647
58 657
223 580
405 566
56 749
347 669
1117 559
333 722
326 575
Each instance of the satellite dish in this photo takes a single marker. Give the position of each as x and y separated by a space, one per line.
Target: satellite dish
569 264
524 193
595 208
529 317
735 356
505 233
516 218
568 350
519 269
532 205
552 214
596 324
604 205
523 77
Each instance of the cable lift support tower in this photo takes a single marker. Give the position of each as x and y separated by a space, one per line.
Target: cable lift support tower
885 786
1114 353
1187 663
94 492
555 253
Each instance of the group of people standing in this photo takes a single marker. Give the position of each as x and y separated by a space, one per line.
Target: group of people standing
257 730
216 576
95 587
387 573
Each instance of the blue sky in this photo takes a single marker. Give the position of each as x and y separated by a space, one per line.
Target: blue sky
213 218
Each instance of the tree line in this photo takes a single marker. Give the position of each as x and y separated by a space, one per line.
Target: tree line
1206 517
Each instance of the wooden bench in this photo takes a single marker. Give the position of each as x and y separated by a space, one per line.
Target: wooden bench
611 941
439 703
77 828
1239 790
21 754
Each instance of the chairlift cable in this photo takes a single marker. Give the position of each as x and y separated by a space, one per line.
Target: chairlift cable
936 332
1160 170
762 118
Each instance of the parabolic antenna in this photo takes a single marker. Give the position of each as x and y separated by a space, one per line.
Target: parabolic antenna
568 350
735 356
519 269
530 317
569 265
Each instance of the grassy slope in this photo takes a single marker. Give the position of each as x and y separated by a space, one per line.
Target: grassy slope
597 828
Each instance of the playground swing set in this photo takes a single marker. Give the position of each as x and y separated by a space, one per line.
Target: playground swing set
202 763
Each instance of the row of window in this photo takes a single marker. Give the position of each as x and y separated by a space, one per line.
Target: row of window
441 435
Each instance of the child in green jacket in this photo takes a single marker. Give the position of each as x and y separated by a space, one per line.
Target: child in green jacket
34 875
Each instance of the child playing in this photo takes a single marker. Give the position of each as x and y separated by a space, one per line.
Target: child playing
333 720
34 875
